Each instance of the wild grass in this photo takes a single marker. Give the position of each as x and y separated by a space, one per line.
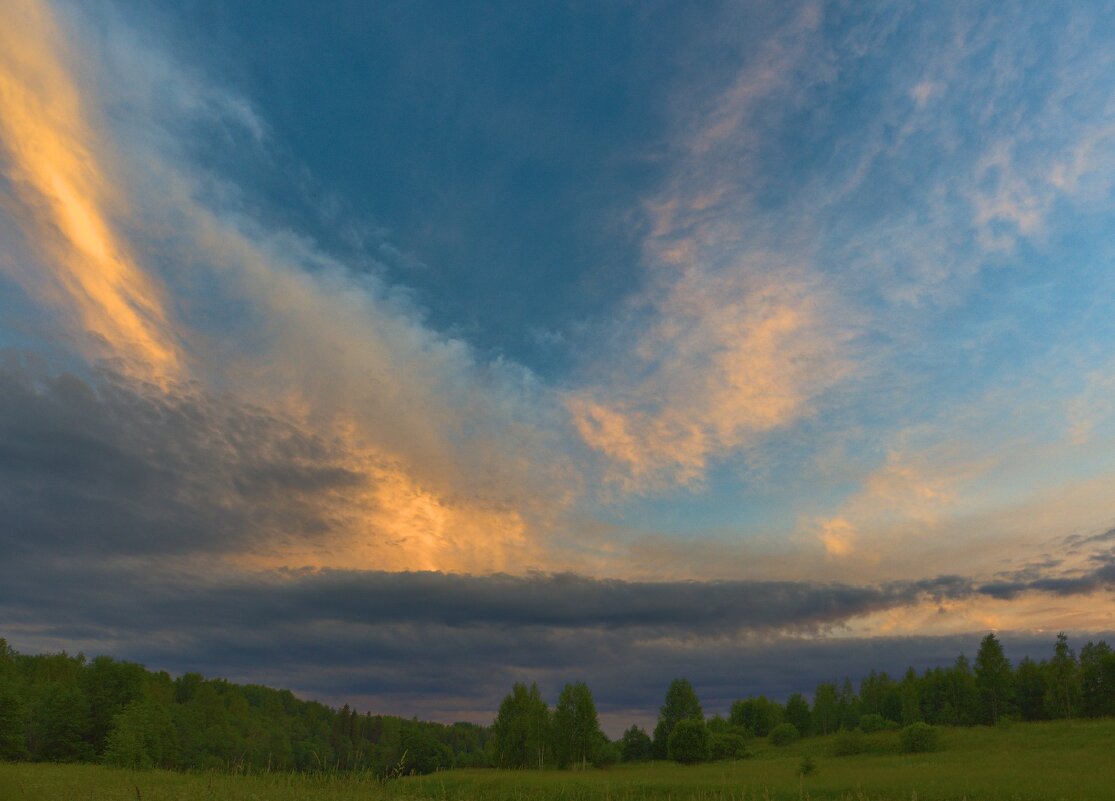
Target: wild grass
1033 761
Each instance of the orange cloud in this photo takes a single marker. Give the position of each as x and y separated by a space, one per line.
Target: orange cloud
729 358
340 358
838 536
388 521
1030 613
65 201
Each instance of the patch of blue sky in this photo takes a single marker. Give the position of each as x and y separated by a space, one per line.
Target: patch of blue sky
499 146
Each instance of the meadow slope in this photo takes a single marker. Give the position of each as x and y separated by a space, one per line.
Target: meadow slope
1061 760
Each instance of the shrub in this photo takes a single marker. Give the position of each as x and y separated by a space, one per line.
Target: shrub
727 745
607 753
808 766
688 741
848 742
636 746
919 737
783 734
872 722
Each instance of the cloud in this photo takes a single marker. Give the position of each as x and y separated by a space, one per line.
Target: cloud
53 161
158 257
451 645
733 337
103 466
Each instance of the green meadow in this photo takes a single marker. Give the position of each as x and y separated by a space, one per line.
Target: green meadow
1058 760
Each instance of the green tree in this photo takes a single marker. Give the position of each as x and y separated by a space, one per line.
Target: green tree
848 706
1029 689
13 710
577 733
825 716
963 694
681 704
110 686
13 723
756 715
521 729
63 718
910 698
636 745
424 753
797 713
1097 674
994 681
143 736
689 741
1063 686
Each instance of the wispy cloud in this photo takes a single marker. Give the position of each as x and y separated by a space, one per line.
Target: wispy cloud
62 173
438 447
733 337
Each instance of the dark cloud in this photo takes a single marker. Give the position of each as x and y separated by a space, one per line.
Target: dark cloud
450 646
340 638
1075 540
99 465
1100 578
118 504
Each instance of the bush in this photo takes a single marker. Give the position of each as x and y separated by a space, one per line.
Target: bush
848 742
808 766
871 722
919 737
689 742
636 746
727 745
783 734
607 753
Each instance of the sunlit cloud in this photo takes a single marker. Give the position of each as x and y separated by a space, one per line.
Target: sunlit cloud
733 338
61 173
860 388
440 445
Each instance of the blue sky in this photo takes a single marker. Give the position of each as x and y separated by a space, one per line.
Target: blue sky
730 293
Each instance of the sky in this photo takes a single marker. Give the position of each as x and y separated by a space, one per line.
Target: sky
397 352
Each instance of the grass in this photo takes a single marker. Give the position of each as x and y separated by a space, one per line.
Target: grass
1063 760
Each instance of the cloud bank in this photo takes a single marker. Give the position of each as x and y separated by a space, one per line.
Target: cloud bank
226 447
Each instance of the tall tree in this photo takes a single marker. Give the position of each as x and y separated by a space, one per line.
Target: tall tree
909 693
1097 672
13 713
963 693
520 731
110 686
848 706
994 681
681 704
797 713
64 723
577 734
1063 681
826 709
1029 689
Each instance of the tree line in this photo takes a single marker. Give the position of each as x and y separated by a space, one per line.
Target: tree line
526 734
57 707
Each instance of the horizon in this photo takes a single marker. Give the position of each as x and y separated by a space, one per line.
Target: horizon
394 354
614 723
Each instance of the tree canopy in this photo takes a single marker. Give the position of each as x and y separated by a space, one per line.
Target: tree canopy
681 704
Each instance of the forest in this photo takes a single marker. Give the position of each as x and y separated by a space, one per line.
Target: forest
67 708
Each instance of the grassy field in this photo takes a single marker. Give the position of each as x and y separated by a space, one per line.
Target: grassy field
1073 760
